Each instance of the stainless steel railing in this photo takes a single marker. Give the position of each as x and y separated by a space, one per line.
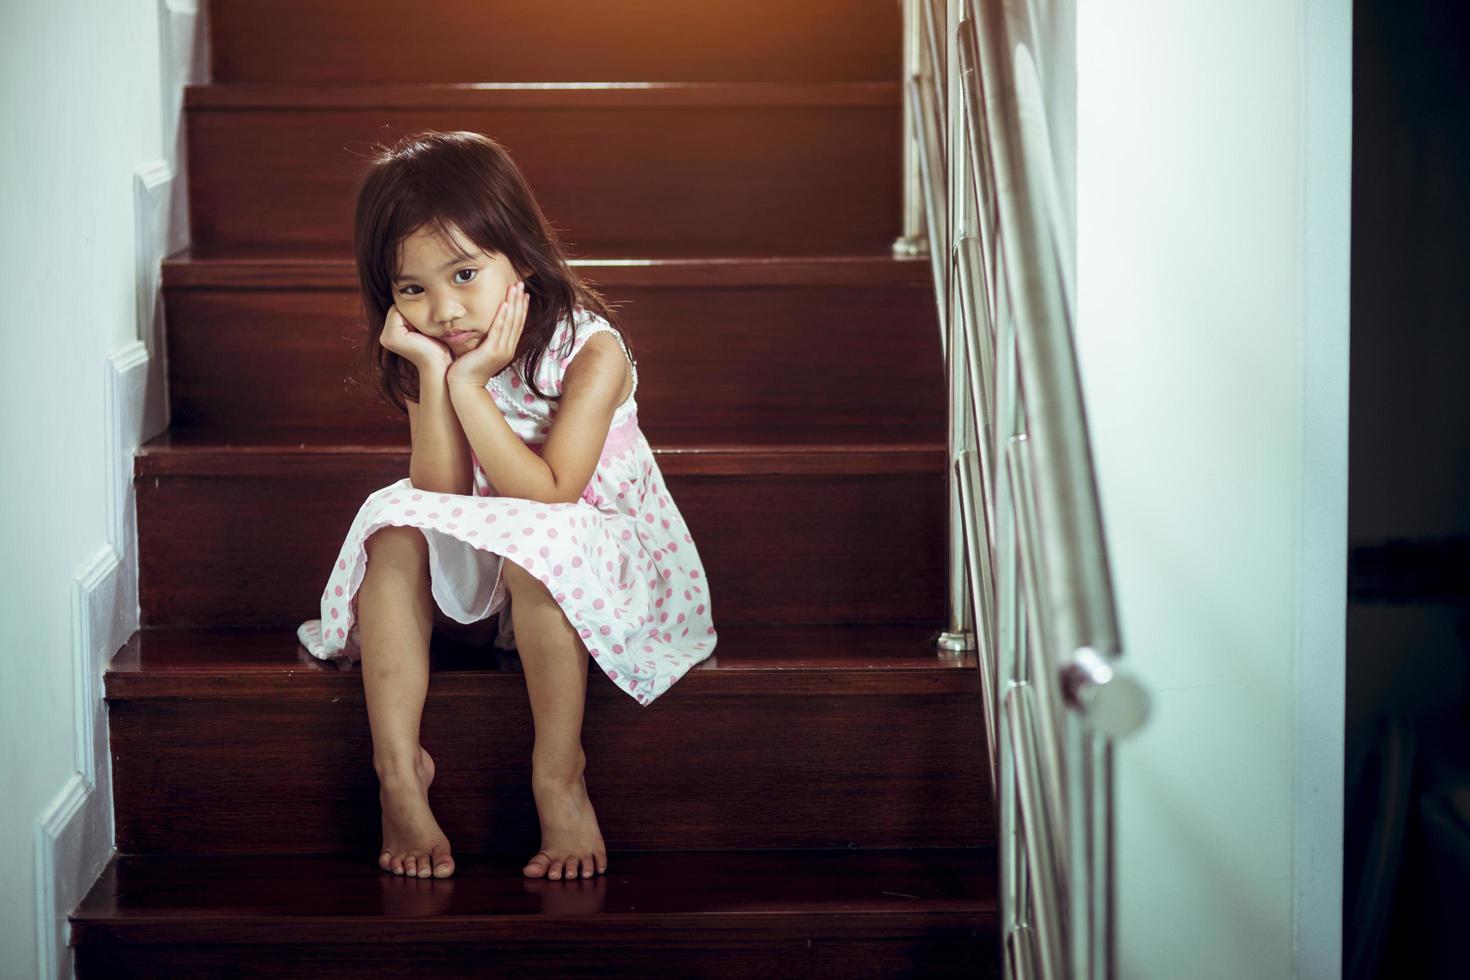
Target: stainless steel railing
1030 588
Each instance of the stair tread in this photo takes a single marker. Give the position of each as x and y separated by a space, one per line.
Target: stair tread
297 96
336 898
809 437
805 446
266 266
863 658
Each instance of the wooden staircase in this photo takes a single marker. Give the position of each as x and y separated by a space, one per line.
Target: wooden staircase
811 800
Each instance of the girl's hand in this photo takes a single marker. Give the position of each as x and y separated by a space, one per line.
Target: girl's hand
498 347
421 350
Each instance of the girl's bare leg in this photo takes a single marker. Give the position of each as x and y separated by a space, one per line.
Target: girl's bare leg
395 621
554 661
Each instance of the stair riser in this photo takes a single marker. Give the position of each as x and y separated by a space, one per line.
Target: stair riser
711 179
256 550
555 41
757 360
936 951
753 771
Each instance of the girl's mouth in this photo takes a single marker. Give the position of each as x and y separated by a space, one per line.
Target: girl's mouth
454 338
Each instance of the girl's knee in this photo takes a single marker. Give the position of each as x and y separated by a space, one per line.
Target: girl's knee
397 538
517 579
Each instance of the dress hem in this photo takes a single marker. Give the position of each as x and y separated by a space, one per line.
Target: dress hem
498 601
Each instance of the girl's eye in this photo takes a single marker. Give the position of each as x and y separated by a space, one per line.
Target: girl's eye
462 282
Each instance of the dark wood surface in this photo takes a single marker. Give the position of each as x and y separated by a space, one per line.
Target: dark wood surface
805 448
168 899
829 913
852 539
805 658
565 40
240 741
604 96
719 952
761 349
269 269
721 169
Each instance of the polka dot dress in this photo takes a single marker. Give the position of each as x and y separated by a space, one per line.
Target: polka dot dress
620 561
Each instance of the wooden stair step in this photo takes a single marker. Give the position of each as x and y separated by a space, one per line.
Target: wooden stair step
259 345
554 40
246 535
237 741
723 168
273 267
267 662
847 913
733 449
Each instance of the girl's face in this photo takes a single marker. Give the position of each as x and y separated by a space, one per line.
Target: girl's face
451 295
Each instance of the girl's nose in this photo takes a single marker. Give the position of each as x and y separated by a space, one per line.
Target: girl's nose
447 313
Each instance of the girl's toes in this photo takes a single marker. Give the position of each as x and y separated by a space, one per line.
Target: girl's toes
587 867
537 866
443 865
571 867
385 860
410 865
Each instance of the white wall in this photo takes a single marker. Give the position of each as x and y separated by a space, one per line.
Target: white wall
1212 208
87 128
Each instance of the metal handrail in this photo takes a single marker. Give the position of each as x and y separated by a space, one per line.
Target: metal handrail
1074 555
1030 588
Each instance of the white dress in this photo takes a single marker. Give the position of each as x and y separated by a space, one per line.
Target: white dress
620 561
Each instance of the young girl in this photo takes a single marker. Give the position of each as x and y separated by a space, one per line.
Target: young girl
531 492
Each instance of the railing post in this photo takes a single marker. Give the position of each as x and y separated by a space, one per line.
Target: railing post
1015 924
959 632
914 241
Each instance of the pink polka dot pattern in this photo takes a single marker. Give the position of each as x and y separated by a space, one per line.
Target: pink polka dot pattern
620 560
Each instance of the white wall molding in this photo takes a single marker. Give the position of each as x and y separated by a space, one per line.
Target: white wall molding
74 836
71 851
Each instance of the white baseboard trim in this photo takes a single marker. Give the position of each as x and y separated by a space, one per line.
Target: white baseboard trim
73 845
75 834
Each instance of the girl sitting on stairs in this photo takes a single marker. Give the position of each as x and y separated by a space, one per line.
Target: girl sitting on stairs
532 493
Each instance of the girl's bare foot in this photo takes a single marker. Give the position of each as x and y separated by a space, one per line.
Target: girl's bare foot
571 841
413 843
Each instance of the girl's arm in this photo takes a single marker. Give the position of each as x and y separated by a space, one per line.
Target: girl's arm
440 462
569 456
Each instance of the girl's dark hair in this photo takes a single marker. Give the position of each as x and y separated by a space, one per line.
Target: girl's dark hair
462 180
